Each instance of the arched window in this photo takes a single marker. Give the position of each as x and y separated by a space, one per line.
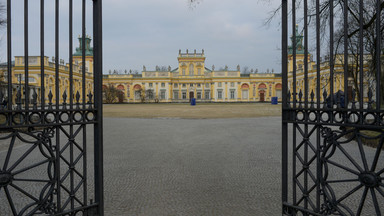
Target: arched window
191 69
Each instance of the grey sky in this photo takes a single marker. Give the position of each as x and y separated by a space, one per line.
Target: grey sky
150 32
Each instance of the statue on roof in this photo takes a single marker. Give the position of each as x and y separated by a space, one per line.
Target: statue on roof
226 67
144 68
238 67
169 68
213 67
202 51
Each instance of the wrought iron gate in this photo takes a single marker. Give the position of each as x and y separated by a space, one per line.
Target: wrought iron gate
51 152
332 130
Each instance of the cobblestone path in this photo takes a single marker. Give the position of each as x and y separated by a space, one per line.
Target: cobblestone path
192 167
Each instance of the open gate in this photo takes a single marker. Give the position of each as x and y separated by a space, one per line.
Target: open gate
332 128
51 152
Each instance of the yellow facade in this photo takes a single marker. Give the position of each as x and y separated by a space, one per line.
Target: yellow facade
193 80
49 68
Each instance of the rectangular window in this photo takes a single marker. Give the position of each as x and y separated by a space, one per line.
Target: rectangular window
150 94
206 85
198 95
199 85
199 71
219 94
183 71
191 84
270 91
232 84
163 85
219 84
207 94
137 95
245 94
162 95
184 95
184 85
150 84
175 85
176 95
232 94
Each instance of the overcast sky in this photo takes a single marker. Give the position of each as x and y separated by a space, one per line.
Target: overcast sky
151 32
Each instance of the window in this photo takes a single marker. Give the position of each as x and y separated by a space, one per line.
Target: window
219 84
175 85
176 95
150 84
184 95
137 95
206 85
191 84
270 91
162 95
232 94
232 84
198 85
184 85
150 94
198 95
162 85
245 94
191 69
207 94
219 94
183 71
199 71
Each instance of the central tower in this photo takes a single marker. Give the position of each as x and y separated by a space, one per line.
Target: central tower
191 64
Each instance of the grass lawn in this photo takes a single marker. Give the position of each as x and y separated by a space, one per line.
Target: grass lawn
200 111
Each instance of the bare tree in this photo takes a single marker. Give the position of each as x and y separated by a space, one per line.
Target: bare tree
111 94
163 68
246 70
370 34
3 20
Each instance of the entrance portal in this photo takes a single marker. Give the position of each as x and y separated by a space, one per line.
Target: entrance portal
191 95
262 96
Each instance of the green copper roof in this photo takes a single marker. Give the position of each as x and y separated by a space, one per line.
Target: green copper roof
298 39
88 48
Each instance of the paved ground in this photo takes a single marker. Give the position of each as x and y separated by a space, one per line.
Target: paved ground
188 167
192 167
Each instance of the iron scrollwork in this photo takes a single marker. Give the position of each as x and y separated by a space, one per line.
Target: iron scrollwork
346 173
37 192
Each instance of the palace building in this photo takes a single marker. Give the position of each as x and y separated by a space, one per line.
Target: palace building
369 83
192 79
49 67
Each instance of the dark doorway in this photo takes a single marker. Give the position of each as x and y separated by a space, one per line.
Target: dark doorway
191 95
262 96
